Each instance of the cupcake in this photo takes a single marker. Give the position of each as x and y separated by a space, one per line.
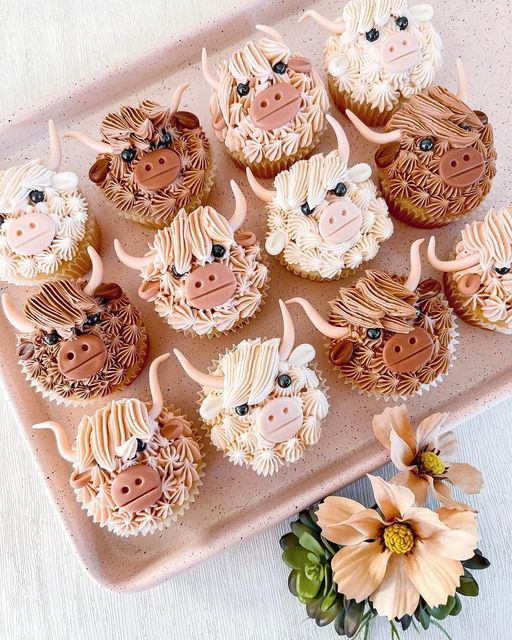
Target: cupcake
263 403
478 280
136 466
268 105
153 160
204 273
389 336
324 219
78 340
380 53
45 227
437 158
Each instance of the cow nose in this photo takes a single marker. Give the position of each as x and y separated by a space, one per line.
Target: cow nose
136 488
157 169
340 221
399 52
275 106
280 419
408 352
31 233
461 167
82 357
210 286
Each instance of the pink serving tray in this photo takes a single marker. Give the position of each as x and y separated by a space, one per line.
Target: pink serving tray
234 503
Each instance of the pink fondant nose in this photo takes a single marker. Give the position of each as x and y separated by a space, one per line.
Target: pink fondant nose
210 286
136 488
280 419
340 221
400 52
31 233
275 106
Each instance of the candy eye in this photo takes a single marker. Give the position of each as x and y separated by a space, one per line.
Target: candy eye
465 126
373 334
93 318
141 445
340 190
418 312
242 89
175 273
128 154
402 23
242 409
51 338
36 196
165 139
284 381
2 220
306 209
372 35
218 251
280 68
426 144
502 271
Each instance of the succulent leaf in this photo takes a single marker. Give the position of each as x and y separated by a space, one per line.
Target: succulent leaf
295 557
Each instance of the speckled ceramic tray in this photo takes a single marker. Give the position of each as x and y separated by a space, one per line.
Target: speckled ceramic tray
234 503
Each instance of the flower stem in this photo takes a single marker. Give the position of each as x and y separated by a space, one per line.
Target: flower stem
441 628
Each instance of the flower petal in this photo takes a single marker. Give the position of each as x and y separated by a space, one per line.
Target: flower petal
448 445
394 419
391 499
434 577
466 478
428 430
459 539
396 596
360 569
441 491
332 514
401 455
424 522
416 483
367 522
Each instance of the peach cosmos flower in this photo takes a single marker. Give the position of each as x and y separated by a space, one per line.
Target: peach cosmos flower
424 459
395 558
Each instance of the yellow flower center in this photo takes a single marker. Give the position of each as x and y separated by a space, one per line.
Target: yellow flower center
432 463
398 538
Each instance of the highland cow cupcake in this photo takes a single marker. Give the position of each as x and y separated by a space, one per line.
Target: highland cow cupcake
478 281
380 53
389 336
324 219
78 340
263 402
45 225
137 466
204 273
268 105
153 160
437 159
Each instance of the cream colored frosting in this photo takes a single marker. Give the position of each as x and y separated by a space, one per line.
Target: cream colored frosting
360 70
231 120
250 372
312 181
62 202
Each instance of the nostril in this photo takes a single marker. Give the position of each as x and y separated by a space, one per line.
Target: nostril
125 490
343 213
331 220
70 356
465 157
211 278
271 418
148 167
285 410
412 340
398 348
161 160
138 481
19 233
85 347
32 225
405 43
198 284
264 104
391 49
278 96
453 163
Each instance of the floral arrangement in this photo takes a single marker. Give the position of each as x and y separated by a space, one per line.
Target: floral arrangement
398 559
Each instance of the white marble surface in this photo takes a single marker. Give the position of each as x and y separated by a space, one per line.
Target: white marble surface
241 594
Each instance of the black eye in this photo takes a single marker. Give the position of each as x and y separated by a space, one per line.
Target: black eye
2 220
51 338
175 273
280 68
128 154
340 190
242 409
502 271
93 318
465 126
218 251
306 209
242 89
372 35
36 196
284 381
402 23
426 144
100 467
140 445
373 334
418 312
165 139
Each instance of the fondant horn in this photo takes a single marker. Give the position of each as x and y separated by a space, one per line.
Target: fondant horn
177 96
327 329
370 134
208 75
238 217
273 33
154 385
288 339
18 320
60 436
462 80
55 154
450 265
96 272
133 262
265 195
331 25
343 145
89 141
204 379
414 278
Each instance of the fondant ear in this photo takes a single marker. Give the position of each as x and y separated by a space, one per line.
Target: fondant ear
302 354
65 181
387 154
210 407
99 170
360 172
275 242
